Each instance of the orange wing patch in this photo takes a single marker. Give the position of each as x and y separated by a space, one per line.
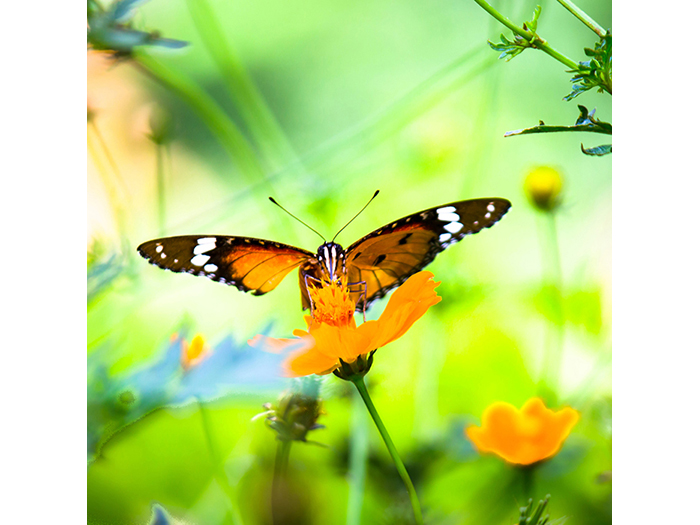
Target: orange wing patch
248 264
387 260
261 268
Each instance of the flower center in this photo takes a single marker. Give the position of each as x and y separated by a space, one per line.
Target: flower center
332 304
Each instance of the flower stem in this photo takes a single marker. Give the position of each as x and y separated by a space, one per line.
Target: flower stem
583 17
528 481
359 383
234 514
553 275
358 462
534 39
279 480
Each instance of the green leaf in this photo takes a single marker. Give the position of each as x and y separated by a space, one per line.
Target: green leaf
594 73
111 29
597 151
585 122
512 48
532 25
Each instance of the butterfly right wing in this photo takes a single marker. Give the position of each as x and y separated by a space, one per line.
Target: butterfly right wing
386 257
248 264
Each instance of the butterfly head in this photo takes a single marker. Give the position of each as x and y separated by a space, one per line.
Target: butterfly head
331 258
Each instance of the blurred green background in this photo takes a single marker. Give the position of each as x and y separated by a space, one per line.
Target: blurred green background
340 99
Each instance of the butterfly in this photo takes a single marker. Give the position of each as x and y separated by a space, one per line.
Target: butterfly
377 263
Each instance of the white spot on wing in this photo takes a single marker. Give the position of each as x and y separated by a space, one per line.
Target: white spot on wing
201 248
159 248
444 237
488 216
447 214
207 240
199 259
454 227
210 267
491 207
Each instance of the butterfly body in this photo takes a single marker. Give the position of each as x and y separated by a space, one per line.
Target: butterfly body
370 267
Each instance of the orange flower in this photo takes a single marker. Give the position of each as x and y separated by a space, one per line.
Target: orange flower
332 334
194 352
523 436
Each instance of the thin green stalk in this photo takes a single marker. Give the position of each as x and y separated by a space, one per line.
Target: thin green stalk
279 478
359 448
160 186
583 17
553 275
252 106
223 128
527 474
534 39
359 383
234 514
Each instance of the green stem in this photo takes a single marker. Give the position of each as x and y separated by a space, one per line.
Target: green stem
358 462
234 515
532 38
553 275
279 480
160 187
583 17
359 383
223 128
528 481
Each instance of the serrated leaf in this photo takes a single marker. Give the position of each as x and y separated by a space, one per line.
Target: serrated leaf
532 24
595 73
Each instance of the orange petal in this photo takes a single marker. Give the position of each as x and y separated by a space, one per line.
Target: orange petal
308 361
340 342
522 436
407 304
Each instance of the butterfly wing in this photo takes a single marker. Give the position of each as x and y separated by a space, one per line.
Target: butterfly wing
389 255
248 264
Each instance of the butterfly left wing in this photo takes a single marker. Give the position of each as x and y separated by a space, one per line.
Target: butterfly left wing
388 256
248 264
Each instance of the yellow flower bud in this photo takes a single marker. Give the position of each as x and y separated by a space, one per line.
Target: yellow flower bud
543 187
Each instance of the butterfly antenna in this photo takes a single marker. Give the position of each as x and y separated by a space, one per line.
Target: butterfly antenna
297 218
355 217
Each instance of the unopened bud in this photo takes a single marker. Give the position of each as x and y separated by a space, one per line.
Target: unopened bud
543 187
295 413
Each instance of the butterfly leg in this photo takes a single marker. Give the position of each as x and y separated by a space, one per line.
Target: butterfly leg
306 283
363 297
